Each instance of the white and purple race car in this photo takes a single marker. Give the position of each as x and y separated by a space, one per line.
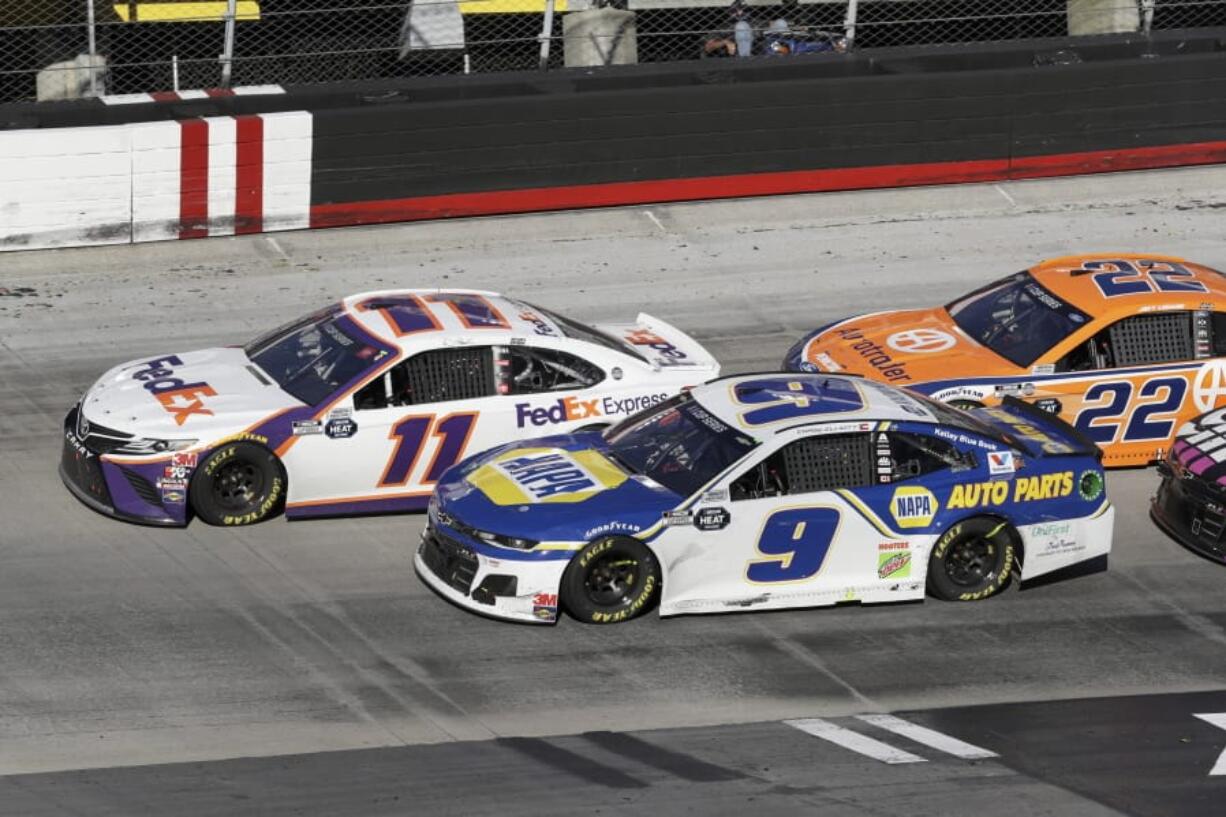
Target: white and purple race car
357 408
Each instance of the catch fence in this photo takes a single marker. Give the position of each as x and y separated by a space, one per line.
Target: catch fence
66 48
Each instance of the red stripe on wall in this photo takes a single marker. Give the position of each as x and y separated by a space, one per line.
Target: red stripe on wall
193 178
249 175
761 184
219 92
165 96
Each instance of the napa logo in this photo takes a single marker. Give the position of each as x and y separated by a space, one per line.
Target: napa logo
913 506
526 476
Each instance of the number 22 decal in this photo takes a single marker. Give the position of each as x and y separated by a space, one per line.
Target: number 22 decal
410 434
795 542
1101 423
1123 278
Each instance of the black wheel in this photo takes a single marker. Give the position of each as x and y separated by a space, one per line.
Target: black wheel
966 404
972 560
610 580
238 484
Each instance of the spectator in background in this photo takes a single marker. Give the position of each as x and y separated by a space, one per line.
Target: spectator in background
736 43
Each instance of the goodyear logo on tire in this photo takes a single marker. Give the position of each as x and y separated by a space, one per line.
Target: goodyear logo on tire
913 506
524 476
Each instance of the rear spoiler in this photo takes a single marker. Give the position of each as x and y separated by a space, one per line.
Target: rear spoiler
1079 444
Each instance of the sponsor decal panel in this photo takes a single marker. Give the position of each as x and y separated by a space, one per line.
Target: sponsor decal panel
532 475
708 519
677 518
341 428
180 399
569 409
302 428
1001 463
874 355
913 506
895 565
668 352
1054 538
999 492
545 606
922 341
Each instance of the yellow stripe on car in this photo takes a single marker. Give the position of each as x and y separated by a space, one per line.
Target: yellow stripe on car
509 6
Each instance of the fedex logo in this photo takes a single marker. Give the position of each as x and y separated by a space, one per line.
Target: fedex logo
645 337
563 411
181 399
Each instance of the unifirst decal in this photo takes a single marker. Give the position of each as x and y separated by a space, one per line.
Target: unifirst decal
913 506
999 492
181 399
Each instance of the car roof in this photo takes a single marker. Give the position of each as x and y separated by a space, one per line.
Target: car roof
1068 279
745 401
413 317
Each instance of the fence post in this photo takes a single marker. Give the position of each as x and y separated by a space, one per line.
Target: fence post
546 33
93 47
1147 17
849 23
228 51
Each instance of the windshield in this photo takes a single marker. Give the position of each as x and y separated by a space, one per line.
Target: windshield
679 444
311 358
1016 318
574 329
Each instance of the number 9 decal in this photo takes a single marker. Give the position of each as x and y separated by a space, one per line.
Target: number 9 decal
794 542
780 398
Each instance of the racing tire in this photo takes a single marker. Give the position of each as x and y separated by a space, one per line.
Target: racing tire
973 560
240 483
612 579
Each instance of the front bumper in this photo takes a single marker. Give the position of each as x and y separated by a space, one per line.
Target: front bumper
515 586
129 492
1193 513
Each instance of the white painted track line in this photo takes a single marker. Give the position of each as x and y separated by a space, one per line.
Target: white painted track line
854 741
928 737
1217 719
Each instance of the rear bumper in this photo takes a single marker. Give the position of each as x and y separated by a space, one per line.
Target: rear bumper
128 493
1193 515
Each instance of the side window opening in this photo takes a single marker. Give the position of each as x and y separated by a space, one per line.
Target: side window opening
529 370
820 463
915 455
1160 337
436 376
1218 334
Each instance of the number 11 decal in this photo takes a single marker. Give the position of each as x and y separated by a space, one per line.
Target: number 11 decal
410 434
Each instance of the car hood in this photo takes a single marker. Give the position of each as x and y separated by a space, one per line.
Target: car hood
560 489
198 395
902 348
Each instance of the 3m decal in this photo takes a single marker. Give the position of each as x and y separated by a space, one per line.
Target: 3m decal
451 432
180 399
794 542
1108 403
1120 278
778 399
913 506
184 459
545 606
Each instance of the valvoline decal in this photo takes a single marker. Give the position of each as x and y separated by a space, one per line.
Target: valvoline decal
666 350
180 399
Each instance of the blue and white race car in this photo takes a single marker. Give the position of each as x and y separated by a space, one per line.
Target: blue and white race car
764 492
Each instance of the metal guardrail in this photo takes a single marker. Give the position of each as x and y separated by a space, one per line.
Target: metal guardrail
67 48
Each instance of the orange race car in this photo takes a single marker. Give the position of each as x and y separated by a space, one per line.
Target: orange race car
1125 348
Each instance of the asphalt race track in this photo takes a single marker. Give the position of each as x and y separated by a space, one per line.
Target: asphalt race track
304 669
